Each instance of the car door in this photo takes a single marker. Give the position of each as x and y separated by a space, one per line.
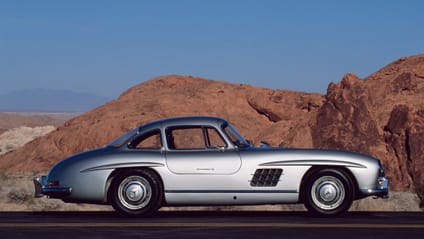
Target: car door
199 150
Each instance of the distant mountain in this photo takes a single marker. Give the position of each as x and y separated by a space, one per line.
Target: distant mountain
48 100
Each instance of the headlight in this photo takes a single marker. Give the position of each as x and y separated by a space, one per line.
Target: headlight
381 172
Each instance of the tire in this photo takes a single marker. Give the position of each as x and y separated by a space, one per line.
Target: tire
328 192
136 193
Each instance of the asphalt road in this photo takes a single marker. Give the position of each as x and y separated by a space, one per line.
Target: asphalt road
216 225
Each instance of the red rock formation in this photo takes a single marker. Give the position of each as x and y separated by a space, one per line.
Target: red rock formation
252 110
381 115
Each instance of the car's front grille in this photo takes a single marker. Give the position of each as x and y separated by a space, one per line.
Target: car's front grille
266 177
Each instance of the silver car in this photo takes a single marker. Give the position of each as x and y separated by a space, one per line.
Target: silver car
203 160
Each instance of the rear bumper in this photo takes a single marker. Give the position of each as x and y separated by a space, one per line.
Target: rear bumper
381 191
41 189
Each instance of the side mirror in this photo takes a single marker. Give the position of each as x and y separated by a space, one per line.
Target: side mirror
264 144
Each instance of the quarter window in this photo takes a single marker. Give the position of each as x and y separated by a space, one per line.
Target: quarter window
149 140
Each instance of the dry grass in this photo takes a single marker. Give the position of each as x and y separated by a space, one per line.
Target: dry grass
420 192
17 194
397 202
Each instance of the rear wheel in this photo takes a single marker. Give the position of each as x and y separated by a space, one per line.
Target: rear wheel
328 192
136 192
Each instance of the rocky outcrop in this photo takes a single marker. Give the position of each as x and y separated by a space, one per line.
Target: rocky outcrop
345 120
381 115
404 138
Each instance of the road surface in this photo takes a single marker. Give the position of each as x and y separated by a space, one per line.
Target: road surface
216 225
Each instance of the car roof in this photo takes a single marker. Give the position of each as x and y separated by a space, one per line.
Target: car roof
185 120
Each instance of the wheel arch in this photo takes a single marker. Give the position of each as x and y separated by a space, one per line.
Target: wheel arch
315 169
118 171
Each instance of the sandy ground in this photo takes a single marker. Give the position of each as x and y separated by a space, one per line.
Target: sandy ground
10 120
18 137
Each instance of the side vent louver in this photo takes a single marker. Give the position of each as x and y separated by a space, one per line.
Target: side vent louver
266 177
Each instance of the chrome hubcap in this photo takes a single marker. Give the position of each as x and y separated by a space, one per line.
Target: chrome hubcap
328 192
134 192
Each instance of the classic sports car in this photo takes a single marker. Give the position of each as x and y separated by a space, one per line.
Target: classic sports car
205 161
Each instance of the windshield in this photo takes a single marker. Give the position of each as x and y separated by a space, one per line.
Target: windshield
118 142
235 136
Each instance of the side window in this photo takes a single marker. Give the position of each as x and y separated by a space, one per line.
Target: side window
149 140
195 137
185 138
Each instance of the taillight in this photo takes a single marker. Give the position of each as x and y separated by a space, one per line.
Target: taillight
53 183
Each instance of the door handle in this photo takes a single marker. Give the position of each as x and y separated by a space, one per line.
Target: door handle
205 169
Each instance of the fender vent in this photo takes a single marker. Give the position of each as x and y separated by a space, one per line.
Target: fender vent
266 177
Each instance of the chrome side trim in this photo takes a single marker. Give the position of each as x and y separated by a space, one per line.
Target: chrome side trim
313 162
231 191
121 165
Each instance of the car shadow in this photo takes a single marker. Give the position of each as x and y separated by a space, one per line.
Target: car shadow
218 214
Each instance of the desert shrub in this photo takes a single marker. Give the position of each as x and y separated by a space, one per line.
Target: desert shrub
19 196
16 189
3 176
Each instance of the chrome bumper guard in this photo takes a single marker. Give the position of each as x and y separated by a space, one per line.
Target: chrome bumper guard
38 185
41 189
382 190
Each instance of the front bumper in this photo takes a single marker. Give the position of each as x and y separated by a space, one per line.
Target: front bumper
381 191
42 189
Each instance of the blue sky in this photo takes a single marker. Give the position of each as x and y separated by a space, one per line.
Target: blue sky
105 47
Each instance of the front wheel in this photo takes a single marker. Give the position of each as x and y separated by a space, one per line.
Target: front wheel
136 192
328 192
